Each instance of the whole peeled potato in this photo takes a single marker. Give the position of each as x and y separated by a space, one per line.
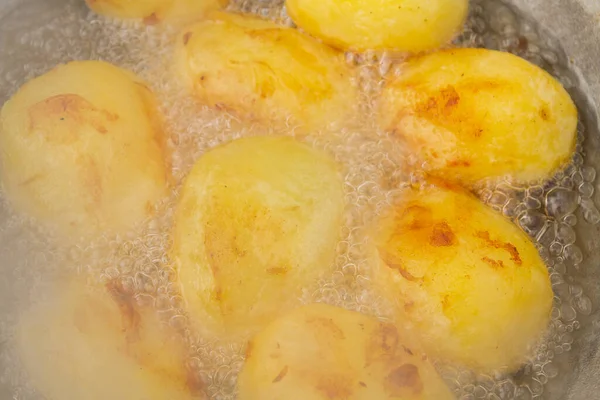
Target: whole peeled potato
96 343
469 282
156 11
258 220
261 70
324 352
404 25
82 149
474 113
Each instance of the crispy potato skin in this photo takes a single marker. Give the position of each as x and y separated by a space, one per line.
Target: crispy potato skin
96 343
470 283
404 25
476 113
326 352
83 149
257 220
156 11
260 70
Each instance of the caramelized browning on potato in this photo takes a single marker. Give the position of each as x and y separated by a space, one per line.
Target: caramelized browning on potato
257 220
82 149
467 280
325 352
405 25
156 11
476 113
96 343
261 70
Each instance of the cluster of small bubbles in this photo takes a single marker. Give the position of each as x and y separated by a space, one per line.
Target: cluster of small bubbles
374 168
498 26
268 9
366 155
470 386
56 35
372 65
548 212
219 365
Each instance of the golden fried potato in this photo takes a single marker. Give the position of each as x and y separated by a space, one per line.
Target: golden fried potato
258 220
404 25
321 352
476 113
82 149
470 282
261 70
96 343
156 11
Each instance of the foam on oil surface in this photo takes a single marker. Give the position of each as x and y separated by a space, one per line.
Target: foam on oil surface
553 213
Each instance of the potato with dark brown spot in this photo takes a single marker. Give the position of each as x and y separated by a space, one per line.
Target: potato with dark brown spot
97 343
262 71
156 11
326 352
83 149
257 222
466 280
472 114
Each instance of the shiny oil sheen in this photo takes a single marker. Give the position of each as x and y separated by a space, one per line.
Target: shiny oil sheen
561 215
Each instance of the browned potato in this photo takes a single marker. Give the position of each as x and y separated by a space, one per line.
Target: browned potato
475 113
258 69
154 11
96 343
322 352
83 150
470 283
257 221
404 25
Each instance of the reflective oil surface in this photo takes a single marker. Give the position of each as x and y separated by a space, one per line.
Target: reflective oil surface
560 215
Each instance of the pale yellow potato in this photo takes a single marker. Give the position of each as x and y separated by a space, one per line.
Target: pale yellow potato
470 283
258 219
261 70
156 11
96 343
475 113
322 352
82 149
403 25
